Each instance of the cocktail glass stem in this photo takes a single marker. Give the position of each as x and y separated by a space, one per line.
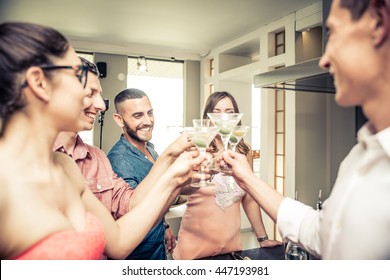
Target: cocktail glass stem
225 141
201 138
202 182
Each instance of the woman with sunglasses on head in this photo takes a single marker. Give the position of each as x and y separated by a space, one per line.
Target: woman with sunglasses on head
46 209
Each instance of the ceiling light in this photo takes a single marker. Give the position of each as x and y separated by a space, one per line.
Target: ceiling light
142 64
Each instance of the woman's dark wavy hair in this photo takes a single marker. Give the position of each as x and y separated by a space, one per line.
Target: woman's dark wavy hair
211 102
23 45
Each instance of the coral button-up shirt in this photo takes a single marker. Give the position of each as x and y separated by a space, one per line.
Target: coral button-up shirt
110 189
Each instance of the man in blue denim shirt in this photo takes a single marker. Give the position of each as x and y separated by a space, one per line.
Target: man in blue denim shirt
132 157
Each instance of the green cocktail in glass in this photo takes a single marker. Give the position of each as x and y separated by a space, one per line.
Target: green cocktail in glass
226 122
201 137
237 134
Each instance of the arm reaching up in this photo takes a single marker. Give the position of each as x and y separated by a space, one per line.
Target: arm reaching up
266 196
140 219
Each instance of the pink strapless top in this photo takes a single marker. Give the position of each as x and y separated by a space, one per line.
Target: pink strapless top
70 244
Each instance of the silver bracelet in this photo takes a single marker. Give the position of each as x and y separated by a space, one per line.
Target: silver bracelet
262 238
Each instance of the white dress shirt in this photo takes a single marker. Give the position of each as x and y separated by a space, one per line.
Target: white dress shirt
355 220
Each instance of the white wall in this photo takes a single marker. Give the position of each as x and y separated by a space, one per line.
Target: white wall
341 132
192 105
310 145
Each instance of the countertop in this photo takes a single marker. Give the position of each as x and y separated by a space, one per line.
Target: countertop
275 253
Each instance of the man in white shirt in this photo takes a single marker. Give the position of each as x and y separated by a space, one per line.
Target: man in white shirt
354 222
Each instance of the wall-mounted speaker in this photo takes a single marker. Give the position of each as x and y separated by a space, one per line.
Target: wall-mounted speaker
102 66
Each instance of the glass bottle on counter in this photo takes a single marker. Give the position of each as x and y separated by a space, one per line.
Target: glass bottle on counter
293 251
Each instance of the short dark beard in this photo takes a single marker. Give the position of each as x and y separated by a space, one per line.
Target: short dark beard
132 133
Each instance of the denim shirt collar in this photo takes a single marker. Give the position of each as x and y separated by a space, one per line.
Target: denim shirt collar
135 150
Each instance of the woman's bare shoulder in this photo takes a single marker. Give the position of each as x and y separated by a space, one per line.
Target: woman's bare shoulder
4 193
70 168
5 205
8 177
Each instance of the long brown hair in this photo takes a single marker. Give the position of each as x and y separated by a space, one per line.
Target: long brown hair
211 102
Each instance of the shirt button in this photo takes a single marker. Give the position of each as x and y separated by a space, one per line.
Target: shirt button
99 187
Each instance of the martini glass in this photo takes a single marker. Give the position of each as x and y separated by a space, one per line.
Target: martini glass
235 137
201 137
237 134
226 122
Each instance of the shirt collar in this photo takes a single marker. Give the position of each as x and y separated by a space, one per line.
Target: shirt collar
384 140
366 133
149 145
80 151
